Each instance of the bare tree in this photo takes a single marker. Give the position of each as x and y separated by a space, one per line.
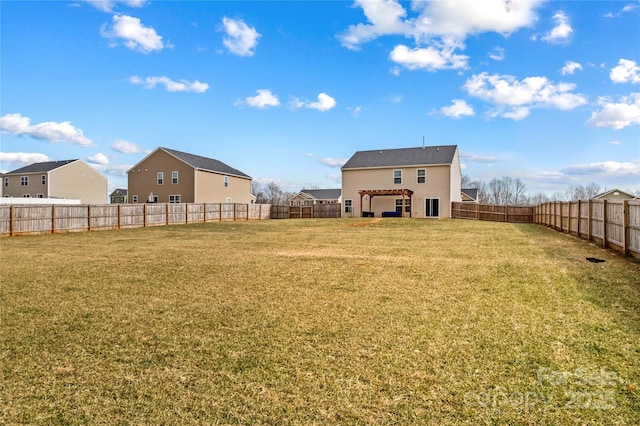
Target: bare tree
507 191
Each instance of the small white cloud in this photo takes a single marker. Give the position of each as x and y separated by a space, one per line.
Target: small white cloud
570 67
627 71
135 36
479 158
170 85
333 162
99 158
125 147
617 115
459 108
262 100
324 103
561 32
395 71
336 177
49 131
430 58
625 9
108 5
611 168
497 54
615 142
23 157
240 38
355 111
295 103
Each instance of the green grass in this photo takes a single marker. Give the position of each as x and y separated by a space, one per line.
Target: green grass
318 322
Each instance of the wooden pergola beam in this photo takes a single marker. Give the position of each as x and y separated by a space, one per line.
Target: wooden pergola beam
385 192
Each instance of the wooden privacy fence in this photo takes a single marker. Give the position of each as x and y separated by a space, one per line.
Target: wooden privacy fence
614 224
316 211
514 214
36 219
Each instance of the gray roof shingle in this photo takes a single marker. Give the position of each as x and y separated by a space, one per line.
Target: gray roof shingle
204 163
471 192
402 157
323 194
43 167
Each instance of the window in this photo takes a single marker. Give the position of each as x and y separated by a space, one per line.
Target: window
397 177
152 198
432 207
26 195
160 177
226 181
43 179
24 180
422 175
6 181
40 195
348 206
134 199
174 199
174 178
228 199
407 205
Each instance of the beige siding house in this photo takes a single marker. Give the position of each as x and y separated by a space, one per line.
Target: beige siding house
309 197
72 179
407 182
170 176
614 194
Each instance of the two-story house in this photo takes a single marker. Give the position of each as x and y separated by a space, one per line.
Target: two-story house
310 197
71 179
406 182
170 176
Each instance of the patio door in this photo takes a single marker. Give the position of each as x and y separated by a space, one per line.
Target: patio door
432 207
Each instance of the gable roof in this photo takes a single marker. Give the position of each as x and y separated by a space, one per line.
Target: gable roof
613 192
470 192
43 167
323 194
119 191
201 163
429 155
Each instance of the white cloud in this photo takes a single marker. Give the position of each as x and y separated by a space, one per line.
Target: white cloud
625 9
458 108
170 85
514 98
333 162
627 71
355 111
611 168
615 142
336 177
23 157
49 131
385 18
240 38
617 115
108 5
135 35
262 100
497 54
99 158
430 58
479 158
561 32
570 67
125 147
324 103
112 169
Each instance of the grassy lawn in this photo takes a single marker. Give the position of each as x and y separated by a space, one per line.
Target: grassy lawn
361 321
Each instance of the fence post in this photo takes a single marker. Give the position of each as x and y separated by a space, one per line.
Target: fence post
144 215
578 228
53 218
186 212
12 217
119 214
589 223
604 223
89 216
625 227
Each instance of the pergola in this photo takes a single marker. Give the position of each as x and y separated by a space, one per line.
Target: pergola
385 192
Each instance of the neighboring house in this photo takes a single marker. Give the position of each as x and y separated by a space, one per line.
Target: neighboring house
170 176
469 195
614 194
72 179
309 197
119 196
408 182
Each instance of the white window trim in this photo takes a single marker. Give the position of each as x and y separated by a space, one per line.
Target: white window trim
134 198
229 200
175 197
176 177
160 178
394 177
43 179
225 182
6 181
24 180
350 206
418 176
407 204
425 207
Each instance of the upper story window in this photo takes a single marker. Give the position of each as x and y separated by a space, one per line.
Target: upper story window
348 206
43 179
6 181
160 178
24 180
174 177
422 175
397 177
226 181
134 199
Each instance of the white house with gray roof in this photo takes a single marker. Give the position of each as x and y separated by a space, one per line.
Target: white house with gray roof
65 179
310 197
407 182
170 176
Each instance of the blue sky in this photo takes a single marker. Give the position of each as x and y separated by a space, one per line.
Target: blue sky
546 91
